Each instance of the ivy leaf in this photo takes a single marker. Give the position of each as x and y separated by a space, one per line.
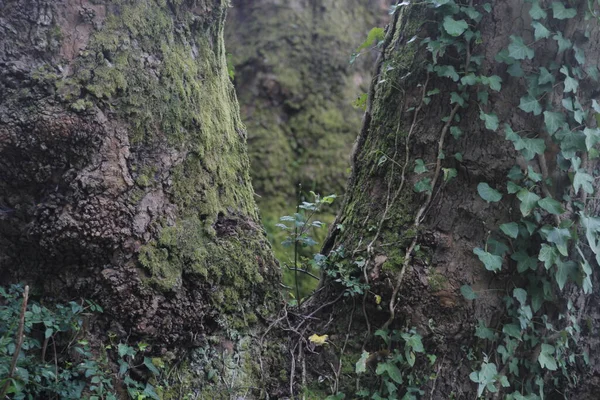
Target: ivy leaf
453 27
546 358
519 50
554 121
512 330
457 98
583 180
510 229
563 43
551 205
579 55
524 261
563 271
531 105
392 371
528 201
449 174
560 12
483 332
490 261
488 193
540 31
592 136
545 77
420 167
446 71
361 364
494 82
515 70
512 187
530 147
456 132
560 237
536 12
571 84
469 79
467 292
548 255
491 120
520 295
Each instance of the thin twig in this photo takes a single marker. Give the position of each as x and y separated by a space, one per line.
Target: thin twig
19 343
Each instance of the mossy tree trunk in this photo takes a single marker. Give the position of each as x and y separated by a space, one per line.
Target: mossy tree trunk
123 174
416 250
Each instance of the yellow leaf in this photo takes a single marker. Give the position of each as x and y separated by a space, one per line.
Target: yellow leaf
377 299
318 340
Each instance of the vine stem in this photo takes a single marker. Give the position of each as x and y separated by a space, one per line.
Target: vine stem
19 343
420 214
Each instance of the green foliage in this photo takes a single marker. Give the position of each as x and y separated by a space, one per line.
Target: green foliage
56 360
299 228
396 370
542 240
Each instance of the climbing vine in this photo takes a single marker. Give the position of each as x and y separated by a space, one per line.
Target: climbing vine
554 234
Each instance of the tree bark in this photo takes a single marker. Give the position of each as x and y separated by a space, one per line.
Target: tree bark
124 174
417 248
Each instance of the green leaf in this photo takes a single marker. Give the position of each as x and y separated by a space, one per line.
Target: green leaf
488 193
540 31
545 77
483 332
420 167
361 364
446 71
524 261
424 185
560 237
515 70
467 292
520 295
151 367
512 187
512 330
583 180
519 50
548 255
490 261
469 79
453 27
510 229
456 132
579 55
457 98
563 43
592 137
534 176
563 271
560 12
536 12
528 201
554 121
392 371
546 358
530 147
571 84
449 174
530 104
491 120
551 205
374 36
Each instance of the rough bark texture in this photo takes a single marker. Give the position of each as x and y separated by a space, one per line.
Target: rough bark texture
123 172
379 211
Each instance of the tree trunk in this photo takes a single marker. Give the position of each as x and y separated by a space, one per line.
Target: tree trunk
412 240
124 174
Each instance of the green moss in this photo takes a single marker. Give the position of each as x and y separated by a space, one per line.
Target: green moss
437 281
